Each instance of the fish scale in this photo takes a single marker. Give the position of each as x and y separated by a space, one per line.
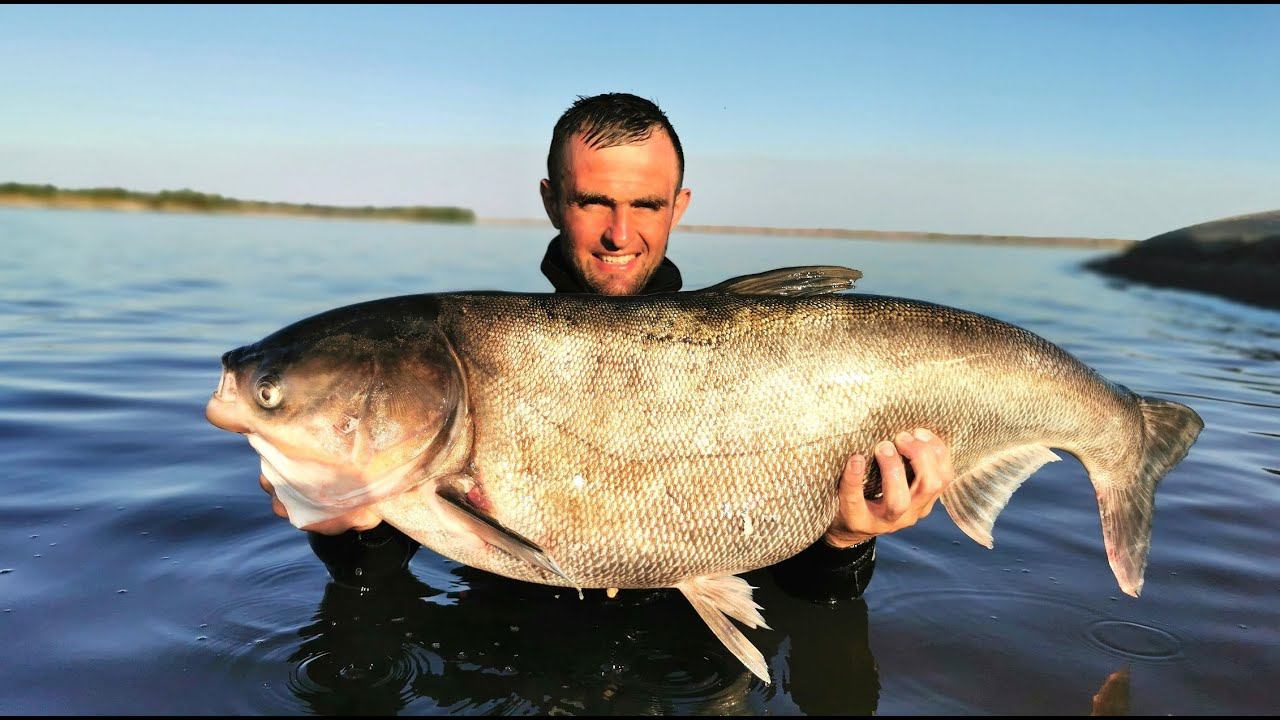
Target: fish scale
619 391
675 440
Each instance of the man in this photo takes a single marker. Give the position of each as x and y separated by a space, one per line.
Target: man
615 189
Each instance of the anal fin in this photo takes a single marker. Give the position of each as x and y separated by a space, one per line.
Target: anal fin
975 499
718 598
493 532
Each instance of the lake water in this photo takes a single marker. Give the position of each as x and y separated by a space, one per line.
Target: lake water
142 571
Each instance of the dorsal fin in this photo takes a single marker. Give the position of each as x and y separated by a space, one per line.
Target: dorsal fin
802 281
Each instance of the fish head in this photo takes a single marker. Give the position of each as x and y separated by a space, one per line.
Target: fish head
345 408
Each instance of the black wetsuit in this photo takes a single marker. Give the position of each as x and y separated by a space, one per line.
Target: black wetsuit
820 572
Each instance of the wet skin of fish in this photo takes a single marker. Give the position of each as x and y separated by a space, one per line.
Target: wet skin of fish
678 439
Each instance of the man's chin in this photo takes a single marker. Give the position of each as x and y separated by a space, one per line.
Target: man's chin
616 283
616 286
615 289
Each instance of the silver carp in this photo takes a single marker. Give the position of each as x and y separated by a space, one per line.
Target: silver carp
679 439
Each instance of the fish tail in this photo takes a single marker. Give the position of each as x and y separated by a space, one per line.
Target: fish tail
1126 497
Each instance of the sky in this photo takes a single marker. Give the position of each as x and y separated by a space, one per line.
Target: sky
1103 121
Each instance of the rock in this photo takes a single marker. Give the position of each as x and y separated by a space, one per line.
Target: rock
1236 257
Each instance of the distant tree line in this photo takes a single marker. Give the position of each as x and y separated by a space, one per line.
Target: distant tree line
207 202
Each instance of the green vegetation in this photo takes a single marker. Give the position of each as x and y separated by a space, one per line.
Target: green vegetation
191 201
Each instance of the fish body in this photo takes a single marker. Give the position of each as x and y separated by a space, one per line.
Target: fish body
676 440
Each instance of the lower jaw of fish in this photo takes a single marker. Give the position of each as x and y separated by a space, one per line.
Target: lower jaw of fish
322 488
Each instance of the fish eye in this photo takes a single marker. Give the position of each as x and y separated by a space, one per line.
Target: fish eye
267 392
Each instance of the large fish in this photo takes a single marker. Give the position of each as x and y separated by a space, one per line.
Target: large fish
674 440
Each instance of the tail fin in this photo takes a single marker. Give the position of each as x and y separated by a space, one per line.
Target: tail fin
1126 498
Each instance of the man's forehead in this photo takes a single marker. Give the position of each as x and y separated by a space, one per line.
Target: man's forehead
646 162
657 145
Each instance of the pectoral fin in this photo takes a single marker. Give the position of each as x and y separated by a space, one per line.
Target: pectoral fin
716 597
802 281
975 499
493 532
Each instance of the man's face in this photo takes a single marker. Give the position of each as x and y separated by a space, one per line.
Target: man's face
615 208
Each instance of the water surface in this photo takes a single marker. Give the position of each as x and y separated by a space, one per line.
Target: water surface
142 571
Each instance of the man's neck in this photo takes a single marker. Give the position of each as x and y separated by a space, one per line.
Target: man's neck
563 278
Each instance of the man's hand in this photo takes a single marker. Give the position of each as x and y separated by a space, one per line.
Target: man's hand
901 506
363 519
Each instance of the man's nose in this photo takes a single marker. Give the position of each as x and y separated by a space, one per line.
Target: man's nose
619 231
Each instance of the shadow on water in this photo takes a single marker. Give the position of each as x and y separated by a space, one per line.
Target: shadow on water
502 646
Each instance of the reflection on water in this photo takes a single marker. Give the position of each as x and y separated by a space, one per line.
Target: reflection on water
142 571
510 647
1113 697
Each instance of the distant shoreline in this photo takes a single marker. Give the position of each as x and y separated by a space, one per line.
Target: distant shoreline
903 235
190 201
187 201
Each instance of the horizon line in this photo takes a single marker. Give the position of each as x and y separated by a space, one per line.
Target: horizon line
912 235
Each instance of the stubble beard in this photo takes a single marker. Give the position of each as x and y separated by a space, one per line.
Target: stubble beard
630 285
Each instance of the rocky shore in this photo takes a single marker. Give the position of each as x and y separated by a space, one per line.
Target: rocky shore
1236 257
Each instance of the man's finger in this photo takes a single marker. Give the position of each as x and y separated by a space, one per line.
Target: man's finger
920 448
852 482
893 480
852 511
277 507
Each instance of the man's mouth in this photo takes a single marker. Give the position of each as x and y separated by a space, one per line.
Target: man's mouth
616 262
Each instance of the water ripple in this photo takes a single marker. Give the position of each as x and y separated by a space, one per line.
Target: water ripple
1135 641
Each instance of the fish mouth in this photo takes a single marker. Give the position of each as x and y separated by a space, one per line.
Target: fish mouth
223 408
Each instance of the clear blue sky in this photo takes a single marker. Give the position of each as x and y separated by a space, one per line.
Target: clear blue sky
1107 121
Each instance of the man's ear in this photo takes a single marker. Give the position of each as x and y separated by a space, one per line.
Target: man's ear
549 202
682 202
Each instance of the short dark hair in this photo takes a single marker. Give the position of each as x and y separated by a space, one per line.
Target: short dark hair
605 121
